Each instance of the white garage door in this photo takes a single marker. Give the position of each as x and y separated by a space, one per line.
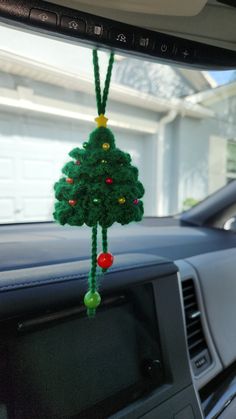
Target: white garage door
28 170
32 154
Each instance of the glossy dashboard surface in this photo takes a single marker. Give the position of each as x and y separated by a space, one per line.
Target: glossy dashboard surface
26 245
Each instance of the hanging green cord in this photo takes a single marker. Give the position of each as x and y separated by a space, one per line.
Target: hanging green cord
92 298
104 243
107 83
92 276
97 81
102 99
104 239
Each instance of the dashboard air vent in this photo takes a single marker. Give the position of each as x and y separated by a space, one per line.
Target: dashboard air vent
197 346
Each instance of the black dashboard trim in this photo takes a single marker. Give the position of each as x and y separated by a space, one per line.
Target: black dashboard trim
47 18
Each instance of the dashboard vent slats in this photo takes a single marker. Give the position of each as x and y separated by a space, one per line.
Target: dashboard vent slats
197 346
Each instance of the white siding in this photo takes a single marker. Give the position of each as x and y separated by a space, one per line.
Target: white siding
217 165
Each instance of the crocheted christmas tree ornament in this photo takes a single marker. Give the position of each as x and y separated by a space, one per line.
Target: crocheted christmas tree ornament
100 187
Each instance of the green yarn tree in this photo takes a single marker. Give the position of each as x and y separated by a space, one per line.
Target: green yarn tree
100 187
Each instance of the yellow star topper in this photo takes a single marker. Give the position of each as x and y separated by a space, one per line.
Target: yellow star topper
101 121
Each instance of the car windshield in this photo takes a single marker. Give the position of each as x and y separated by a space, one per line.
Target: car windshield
177 124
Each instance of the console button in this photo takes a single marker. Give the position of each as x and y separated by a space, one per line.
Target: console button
151 368
73 25
165 48
43 17
95 29
200 362
185 52
144 42
121 37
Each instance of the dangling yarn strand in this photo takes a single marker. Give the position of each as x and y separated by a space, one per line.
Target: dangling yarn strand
104 244
92 299
92 277
104 240
107 83
101 107
101 99
97 81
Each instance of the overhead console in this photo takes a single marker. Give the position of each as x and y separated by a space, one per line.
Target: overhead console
79 26
130 361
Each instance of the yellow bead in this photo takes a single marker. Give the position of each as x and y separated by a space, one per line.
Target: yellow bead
106 146
122 200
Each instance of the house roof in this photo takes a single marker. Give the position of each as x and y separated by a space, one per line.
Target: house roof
160 80
212 96
21 66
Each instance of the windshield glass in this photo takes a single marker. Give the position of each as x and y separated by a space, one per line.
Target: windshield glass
178 124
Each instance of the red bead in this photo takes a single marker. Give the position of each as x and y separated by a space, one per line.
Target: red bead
72 202
69 180
105 260
109 181
136 201
78 162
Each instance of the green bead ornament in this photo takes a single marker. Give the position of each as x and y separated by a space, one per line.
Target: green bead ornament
92 299
105 188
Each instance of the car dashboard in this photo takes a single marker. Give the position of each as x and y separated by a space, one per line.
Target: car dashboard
158 346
